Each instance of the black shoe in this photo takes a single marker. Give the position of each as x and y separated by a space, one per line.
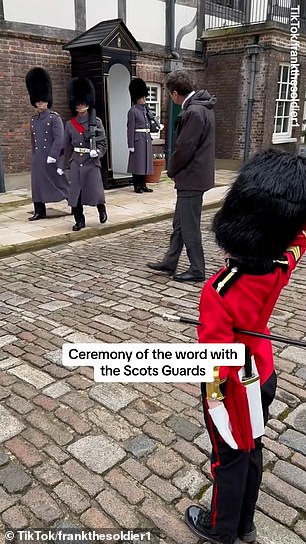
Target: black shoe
160 267
37 216
199 522
146 189
187 276
249 536
138 190
79 225
103 217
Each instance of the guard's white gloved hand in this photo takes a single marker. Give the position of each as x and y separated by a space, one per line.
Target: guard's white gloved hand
161 126
93 153
60 171
50 160
132 149
220 418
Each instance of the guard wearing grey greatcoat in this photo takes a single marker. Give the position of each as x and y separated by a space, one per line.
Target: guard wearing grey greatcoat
85 144
85 171
139 138
47 137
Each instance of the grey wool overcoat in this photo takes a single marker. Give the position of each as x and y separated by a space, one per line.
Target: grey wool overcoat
47 136
141 160
85 172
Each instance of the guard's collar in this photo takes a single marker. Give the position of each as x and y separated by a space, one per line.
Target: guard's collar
264 266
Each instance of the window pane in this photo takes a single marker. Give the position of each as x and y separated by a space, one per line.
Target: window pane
287 109
280 109
283 94
153 94
286 124
153 107
285 73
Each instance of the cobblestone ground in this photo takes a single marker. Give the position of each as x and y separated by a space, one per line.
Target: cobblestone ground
79 454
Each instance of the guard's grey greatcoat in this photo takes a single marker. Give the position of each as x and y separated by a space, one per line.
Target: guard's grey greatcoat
85 172
141 160
47 134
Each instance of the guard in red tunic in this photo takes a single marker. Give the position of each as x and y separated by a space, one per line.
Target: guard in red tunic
85 144
262 229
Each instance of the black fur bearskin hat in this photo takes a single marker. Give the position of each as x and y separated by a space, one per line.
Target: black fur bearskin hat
264 209
138 89
39 86
81 91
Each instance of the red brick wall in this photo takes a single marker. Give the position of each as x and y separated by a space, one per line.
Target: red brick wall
227 74
278 53
224 71
17 56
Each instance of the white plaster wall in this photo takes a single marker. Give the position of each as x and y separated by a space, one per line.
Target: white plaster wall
184 16
56 13
100 10
146 20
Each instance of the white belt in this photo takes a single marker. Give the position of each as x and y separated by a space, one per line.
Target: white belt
82 150
142 130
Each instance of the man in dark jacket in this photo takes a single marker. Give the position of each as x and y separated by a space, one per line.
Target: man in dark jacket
192 168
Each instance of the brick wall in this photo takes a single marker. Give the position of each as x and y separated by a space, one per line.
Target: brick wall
223 71
17 56
225 78
227 72
278 52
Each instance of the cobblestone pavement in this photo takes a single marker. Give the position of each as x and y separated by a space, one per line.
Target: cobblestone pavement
79 454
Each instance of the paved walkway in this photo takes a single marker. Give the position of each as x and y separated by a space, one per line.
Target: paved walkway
75 453
125 209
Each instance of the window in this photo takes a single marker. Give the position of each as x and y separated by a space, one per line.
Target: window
282 120
153 101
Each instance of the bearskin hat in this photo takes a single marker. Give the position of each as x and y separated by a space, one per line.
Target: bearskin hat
81 91
138 89
264 209
39 86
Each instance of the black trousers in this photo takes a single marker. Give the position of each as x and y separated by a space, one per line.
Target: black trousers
138 181
78 210
187 231
237 474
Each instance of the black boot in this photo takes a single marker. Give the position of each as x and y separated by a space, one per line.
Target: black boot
102 213
137 182
79 217
199 522
39 211
79 223
146 189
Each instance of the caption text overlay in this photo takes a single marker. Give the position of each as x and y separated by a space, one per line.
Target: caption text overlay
153 362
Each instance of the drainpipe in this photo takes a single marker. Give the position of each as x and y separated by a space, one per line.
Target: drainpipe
252 51
2 184
169 67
